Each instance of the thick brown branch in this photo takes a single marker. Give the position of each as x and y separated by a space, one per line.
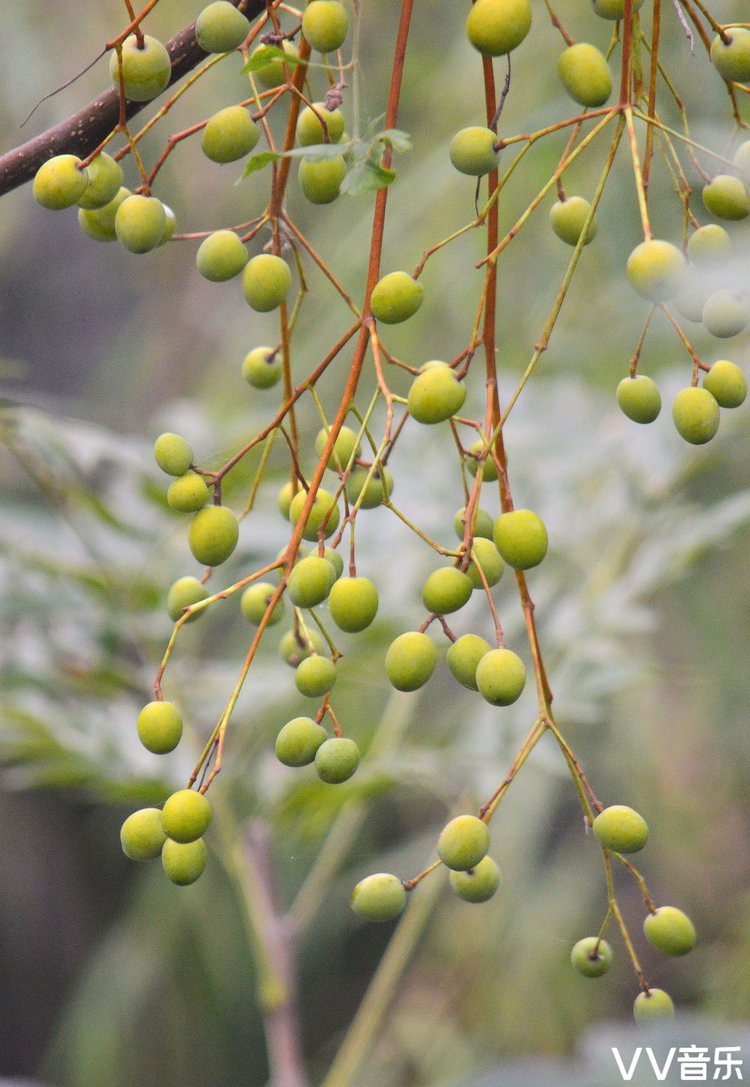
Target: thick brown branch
85 130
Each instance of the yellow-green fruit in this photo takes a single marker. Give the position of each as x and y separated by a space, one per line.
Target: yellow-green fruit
99 223
295 647
410 660
254 604
446 590
325 25
320 182
395 298
567 219
653 1005
221 256
59 182
732 58
274 73
353 603
709 246
310 581
324 514
477 884
182 593
159 727
310 130
435 395
140 223
639 398
726 313
670 931
336 760
173 454
186 815
315 676
521 538
488 465
655 269
188 493
229 135
345 447
379 897
696 415
613 9
213 535
463 842
485 557
472 151
370 492
220 27
591 956
500 677
261 367
726 197
621 829
146 70
742 161
727 384
463 656
496 27
184 862
298 741
266 280
142 835
105 181
585 74
483 523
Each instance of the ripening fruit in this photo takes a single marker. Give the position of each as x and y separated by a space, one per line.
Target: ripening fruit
188 493
395 298
370 492
186 815
496 27
336 760
310 581
483 523
727 384
731 59
294 647
670 931
472 151
99 223
140 223
585 74
379 897
324 510
255 600
298 741
353 603
159 727
104 182
410 660
655 269
184 862
696 415
591 956
485 557
463 656
229 135
726 313
213 535
59 182
220 27
335 560
500 677
726 197
145 71
488 465
639 398
182 593
142 835
266 281
621 829
477 884
261 367
345 448
613 9
567 218
463 842
435 395
325 25
221 256
315 676
320 182
274 73
446 590
310 130
655 1004
521 538
173 454
709 246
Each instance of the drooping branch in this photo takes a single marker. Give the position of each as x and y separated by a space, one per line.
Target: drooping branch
86 129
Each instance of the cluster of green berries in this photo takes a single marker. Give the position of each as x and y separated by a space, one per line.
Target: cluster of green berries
174 833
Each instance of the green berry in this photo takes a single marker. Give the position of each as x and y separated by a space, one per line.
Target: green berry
229 135
472 151
477 884
336 760
591 956
670 931
435 395
142 835
266 281
585 74
173 454
298 741
621 829
370 492
320 182
261 367
732 58
294 647
220 27
726 313
483 524
99 223
315 676
221 256
254 604
184 862
396 297
727 384
188 493
485 557
159 727
495 27
568 217
60 182
345 448
410 660
104 182
309 127
478 450
325 25
379 897
186 815
464 655
655 269
213 535
639 398
501 677
310 581
696 415
324 512
726 197
446 590
709 246
335 560
521 538
463 842
653 1005
146 70
274 73
182 593
613 9
353 603
140 223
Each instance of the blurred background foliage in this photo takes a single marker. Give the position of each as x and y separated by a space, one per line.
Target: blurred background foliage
109 975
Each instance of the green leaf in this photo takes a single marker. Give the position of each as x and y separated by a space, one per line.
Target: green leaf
259 162
263 56
367 177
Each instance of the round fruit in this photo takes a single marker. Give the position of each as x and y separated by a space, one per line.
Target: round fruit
229 135
463 842
104 182
336 760
142 835
60 182
261 367
309 127
220 27
639 398
310 581
727 384
567 219
483 524
726 313
464 655
500 677
410 660
742 160
140 223
731 58
221 256
320 182
726 197
173 454
188 493
591 956
159 727
435 395
696 415
213 535
655 1004
446 590
145 69
294 647
621 829
254 604
266 281
485 557
99 223
670 931
335 560
298 741
274 73
345 448
186 815
655 269
370 492
521 538
585 74
324 511
613 9
488 465
182 593
395 298
477 884
184 862
315 676
325 25
495 27
353 603
472 151
379 897
709 246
